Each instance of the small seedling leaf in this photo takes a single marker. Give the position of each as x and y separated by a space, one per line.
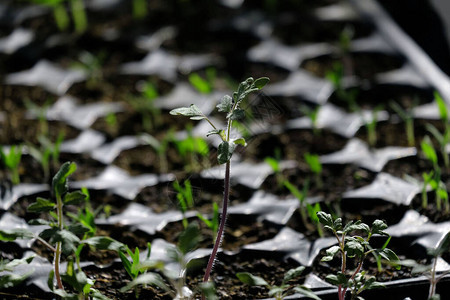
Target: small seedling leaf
105 243
189 238
306 292
357 226
378 227
261 82
59 183
338 279
354 248
225 105
74 198
219 132
41 205
13 234
441 106
147 278
388 254
225 151
325 219
11 280
428 150
236 114
250 279
293 273
192 111
330 253
240 141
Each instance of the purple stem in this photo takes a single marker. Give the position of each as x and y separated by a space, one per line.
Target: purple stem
222 224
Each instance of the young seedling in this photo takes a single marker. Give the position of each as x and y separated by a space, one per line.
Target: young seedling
62 19
212 224
160 147
204 86
11 160
185 198
47 154
313 161
443 140
230 106
312 114
408 118
190 149
371 126
357 247
433 178
180 261
144 104
336 76
279 291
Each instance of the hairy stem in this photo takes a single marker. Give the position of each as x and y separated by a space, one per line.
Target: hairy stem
222 224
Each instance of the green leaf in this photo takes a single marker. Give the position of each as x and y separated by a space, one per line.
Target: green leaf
325 219
41 205
77 279
67 238
428 150
192 111
147 278
293 273
59 182
13 234
200 84
225 105
225 151
250 279
11 280
104 243
338 279
10 265
306 292
444 246
441 106
126 264
330 253
371 284
388 254
240 141
209 290
357 226
237 114
261 82
378 227
219 132
74 198
78 229
189 238
353 248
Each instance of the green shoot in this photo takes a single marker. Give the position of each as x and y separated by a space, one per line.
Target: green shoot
185 198
408 118
313 161
140 9
230 105
144 104
335 76
11 160
212 224
160 147
192 148
443 139
356 247
204 86
312 114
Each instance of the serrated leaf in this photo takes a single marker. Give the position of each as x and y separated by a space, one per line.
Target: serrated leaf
192 111
225 105
225 151
13 234
251 279
41 205
74 198
147 278
357 226
261 82
68 240
293 273
59 182
104 243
